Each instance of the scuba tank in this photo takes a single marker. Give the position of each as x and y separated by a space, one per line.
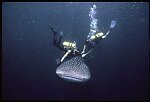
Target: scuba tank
69 45
96 36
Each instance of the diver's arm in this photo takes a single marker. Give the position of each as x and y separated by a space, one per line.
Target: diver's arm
83 55
104 36
84 47
66 54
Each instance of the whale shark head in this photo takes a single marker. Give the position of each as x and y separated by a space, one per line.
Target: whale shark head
74 70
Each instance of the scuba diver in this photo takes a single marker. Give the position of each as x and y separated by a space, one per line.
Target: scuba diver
94 39
70 48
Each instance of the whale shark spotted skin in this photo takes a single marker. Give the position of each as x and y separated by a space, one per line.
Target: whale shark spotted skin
74 70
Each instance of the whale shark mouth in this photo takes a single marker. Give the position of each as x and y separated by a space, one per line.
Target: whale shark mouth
72 78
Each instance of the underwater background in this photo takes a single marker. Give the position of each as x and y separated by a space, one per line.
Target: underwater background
119 65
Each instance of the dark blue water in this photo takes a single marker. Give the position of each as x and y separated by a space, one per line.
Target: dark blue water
119 65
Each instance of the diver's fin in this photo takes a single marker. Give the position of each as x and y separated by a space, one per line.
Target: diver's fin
58 61
113 23
52 29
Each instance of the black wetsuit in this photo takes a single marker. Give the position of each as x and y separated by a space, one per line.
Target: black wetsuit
56 41
91 44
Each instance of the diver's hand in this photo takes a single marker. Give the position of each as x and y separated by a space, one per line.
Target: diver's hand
83 55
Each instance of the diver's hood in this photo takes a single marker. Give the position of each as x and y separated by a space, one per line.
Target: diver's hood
74 70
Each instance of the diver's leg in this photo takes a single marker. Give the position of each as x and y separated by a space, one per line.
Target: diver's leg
59 41
55 33
55 39
55 42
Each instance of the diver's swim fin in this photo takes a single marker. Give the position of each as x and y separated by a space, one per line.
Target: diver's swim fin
52 29
113 23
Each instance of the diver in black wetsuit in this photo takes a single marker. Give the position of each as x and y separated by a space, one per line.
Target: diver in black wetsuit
69 48
94 39
55 42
